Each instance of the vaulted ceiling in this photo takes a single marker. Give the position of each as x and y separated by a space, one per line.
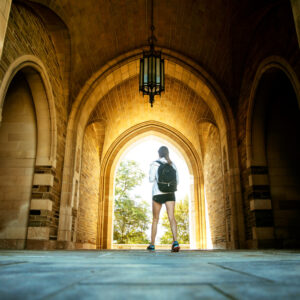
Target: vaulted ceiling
212 33
181 108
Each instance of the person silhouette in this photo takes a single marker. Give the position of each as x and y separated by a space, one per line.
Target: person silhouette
159 198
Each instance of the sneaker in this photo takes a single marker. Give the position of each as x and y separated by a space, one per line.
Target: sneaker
151 247
175 246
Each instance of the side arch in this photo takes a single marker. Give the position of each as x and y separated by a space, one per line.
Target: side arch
272 62
36 158
272 160
39 82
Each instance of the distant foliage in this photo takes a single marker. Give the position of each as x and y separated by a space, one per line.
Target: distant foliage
131 219
182 219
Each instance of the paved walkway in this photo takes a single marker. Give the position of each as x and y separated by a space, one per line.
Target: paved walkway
138 274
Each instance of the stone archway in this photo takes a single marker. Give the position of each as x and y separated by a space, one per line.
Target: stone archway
39 83
114 74
272 159
107 178
28 122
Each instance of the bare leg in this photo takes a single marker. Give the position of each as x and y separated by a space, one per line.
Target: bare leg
170 205
156 207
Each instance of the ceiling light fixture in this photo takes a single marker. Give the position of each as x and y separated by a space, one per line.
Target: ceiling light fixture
152 68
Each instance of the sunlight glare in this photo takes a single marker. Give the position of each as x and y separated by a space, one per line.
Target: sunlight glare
145 151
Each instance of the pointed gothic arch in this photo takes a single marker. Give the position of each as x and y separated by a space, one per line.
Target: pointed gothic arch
36 133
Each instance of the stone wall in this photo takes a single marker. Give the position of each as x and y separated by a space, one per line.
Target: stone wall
27 35
214 188
86 231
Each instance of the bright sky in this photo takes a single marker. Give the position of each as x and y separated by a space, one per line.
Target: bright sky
145 151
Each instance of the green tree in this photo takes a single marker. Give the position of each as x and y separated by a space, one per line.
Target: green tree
182 219
130 212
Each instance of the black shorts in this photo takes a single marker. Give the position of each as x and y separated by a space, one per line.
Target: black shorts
163 198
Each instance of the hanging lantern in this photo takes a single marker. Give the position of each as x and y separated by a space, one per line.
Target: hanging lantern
152 73
152 69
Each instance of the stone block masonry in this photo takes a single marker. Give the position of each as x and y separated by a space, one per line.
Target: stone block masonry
44 197
86 231
214 188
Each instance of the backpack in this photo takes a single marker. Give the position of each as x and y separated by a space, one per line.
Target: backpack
167 180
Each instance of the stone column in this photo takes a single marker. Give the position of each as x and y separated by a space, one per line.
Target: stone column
40 228
4 15
261 207
296 12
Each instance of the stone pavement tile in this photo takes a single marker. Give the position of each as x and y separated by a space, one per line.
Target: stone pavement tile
199 256
136 291
182 257
18 268
166 273
261 291
279 271
144 275
31 281
10 262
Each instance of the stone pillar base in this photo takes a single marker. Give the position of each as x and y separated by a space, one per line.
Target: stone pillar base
40 245
65 245
85 246
12 244
262 244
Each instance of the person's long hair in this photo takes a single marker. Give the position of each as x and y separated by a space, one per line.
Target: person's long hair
163 151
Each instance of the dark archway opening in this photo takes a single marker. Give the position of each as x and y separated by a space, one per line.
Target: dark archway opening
275 157
283 150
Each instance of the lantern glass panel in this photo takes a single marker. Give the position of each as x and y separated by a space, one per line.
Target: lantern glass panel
150 69
157 70
162 69
146 70
153 70
141 73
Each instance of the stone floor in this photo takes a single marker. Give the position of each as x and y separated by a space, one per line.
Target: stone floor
137 274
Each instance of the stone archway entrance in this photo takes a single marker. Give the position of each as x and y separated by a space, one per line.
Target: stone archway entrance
17 159
272 156
190 109
104 237
28 154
